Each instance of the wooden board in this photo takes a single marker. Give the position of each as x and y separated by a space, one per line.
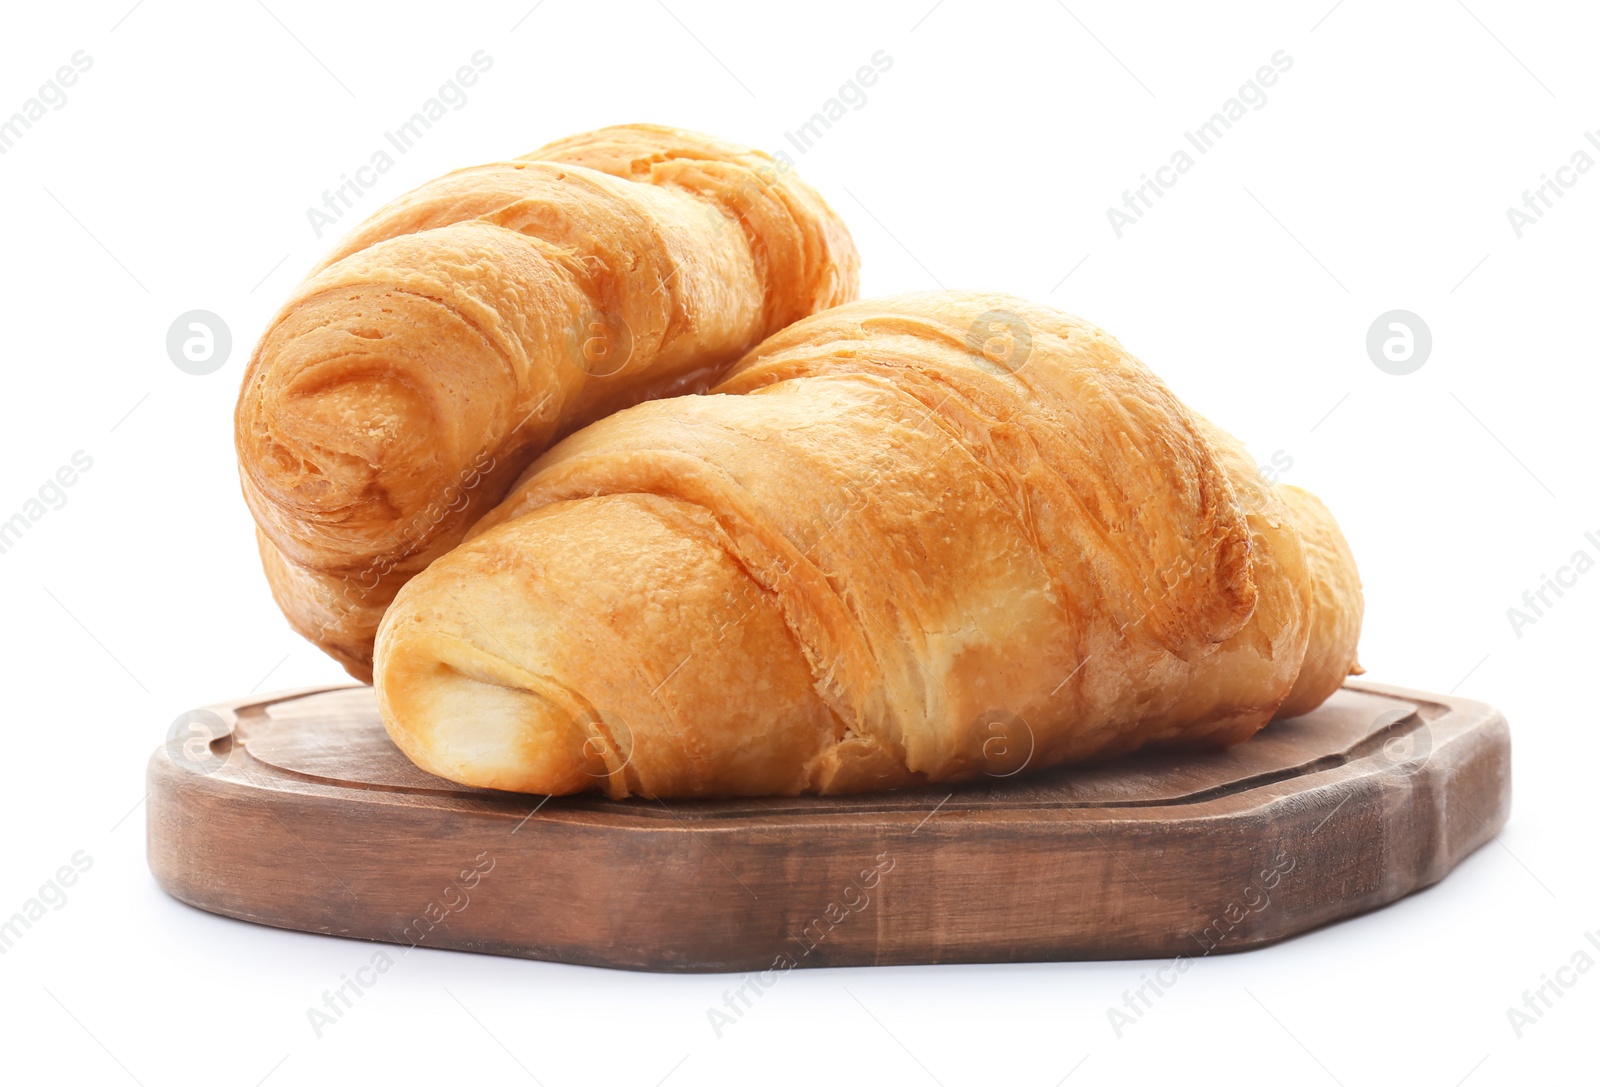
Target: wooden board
295 810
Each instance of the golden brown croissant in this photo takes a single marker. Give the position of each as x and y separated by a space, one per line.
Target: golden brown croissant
446 342
898 532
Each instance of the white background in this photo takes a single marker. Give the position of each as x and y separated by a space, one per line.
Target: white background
1377 176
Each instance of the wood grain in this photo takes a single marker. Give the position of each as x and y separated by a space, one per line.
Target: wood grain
295 810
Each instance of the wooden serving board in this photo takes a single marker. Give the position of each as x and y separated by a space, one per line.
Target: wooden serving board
295 810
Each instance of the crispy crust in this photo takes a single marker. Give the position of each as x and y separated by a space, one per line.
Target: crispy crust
450 339
881 551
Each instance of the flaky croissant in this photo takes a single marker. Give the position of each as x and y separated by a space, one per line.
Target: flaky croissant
446 342
923 538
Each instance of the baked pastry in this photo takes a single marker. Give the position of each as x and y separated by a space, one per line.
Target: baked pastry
446 342
897 532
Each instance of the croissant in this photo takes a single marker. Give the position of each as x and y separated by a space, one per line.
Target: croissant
916 539
450 339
